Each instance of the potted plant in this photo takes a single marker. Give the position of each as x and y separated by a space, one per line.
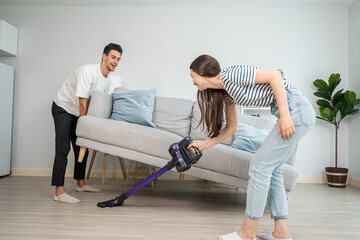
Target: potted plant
333 109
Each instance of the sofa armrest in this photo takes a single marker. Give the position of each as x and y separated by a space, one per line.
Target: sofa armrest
100 105
290 176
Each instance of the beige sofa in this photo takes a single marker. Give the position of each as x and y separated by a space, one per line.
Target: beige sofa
174 118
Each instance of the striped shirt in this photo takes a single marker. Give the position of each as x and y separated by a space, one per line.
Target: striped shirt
239 82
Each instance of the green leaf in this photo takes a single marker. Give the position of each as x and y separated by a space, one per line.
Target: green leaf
327 113
320 95
324 104
338 97
349 96
323 94
324 119
354 111
342 107
337 108
346 109
334 80
356 102
321 84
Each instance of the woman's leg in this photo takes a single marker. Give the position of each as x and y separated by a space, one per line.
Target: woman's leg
272 154
278 204
266 168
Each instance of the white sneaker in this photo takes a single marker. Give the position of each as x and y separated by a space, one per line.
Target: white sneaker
66 198
87 188
269 236
231 236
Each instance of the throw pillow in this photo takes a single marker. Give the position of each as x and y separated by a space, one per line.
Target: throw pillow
173 115
134 106
249 138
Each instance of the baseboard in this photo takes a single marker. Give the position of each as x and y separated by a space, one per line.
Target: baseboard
354 182
169 175
94 174
311 179
29 172
118 174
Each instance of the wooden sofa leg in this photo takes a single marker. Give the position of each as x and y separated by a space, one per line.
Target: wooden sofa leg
82 154
91 164
181 177
122 167
104 170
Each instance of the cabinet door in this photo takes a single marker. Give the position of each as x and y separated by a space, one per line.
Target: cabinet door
6 110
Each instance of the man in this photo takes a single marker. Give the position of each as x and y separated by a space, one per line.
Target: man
70 103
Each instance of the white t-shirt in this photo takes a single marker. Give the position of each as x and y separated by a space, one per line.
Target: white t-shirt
82 83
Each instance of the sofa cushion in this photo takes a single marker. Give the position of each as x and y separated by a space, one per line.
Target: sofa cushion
173 115
134 106
156 142
224 159
139 138
249 138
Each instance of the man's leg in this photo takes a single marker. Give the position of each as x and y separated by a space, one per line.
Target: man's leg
63 124
80 167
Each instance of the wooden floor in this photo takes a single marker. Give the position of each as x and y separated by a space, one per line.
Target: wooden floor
170 210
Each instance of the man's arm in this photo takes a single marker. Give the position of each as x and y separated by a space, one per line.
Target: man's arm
83 102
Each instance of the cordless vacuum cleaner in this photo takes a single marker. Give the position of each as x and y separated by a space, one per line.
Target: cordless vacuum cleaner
182 158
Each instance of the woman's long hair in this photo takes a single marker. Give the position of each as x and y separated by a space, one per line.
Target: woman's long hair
211 101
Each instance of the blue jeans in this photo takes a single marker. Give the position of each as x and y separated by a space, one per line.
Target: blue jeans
265 171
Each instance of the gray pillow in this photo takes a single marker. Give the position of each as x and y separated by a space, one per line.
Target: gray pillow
173 115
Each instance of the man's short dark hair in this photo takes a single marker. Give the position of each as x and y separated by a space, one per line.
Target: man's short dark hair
112 46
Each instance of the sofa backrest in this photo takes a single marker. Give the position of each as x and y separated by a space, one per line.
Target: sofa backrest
173 115
100 105
255 121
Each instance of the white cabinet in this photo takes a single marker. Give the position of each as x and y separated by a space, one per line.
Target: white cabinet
8 39
6 110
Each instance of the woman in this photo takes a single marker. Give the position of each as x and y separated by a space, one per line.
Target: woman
255 87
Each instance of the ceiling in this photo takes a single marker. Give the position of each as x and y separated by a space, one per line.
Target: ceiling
179 3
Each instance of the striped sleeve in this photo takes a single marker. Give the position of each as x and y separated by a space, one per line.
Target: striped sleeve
241 75
239 83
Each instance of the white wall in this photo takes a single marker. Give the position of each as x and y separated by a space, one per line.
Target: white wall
159 44
354 85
